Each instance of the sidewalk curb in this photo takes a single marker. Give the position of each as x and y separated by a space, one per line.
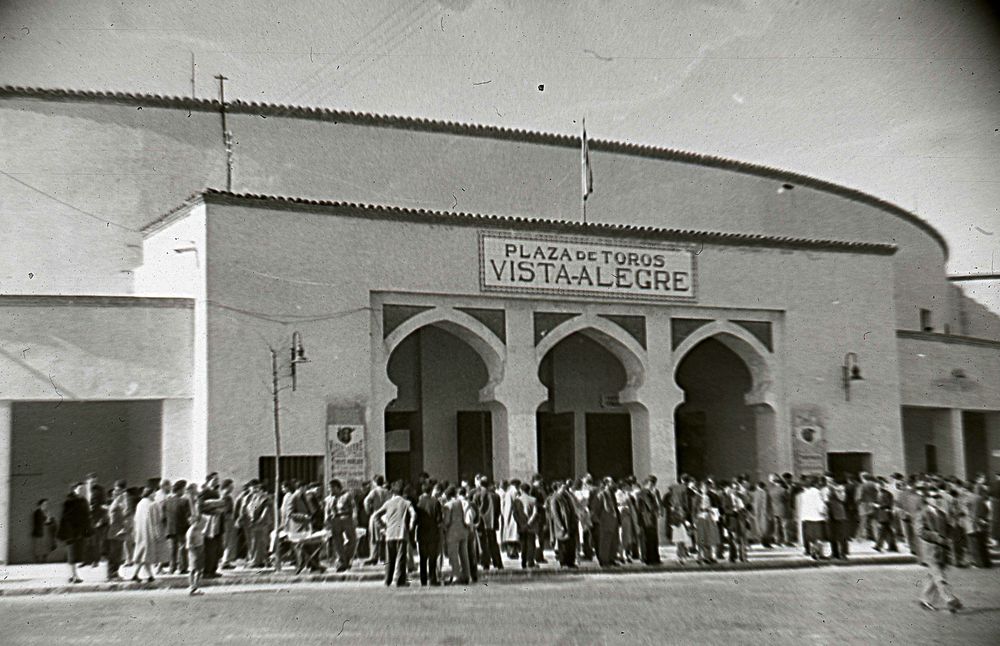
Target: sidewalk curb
506 576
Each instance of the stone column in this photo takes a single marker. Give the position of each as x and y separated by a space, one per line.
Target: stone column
660 396
515 455
6 437
956 434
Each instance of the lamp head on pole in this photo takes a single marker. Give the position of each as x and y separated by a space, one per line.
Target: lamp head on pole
851 372
298 353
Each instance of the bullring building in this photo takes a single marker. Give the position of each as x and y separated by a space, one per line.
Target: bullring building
458 316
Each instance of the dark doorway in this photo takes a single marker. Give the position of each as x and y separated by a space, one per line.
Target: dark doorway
303 468
609 444
690 429
400 464
930 458
437 374
977 453
475 444
57 443
716 429
556 455
845 464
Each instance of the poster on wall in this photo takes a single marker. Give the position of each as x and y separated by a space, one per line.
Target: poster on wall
808 441
345 454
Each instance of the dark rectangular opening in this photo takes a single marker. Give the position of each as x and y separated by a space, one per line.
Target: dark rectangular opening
304 468
404 465
475 444
930 458
843 464
977 452
609 444
556 454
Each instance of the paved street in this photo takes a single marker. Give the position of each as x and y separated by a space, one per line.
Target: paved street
837 605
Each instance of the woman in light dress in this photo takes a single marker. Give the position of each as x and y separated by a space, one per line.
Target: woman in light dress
148 530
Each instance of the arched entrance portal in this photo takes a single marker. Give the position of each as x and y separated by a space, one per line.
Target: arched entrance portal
725 427
439 421
583 426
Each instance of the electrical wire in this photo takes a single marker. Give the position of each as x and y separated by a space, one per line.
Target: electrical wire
68 205
288 319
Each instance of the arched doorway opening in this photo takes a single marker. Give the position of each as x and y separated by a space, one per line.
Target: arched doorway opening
583 427
439 421
716 428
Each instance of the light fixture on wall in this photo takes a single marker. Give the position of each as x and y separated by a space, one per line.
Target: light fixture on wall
850 372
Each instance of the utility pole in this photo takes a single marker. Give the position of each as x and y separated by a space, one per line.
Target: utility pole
298 355
277 462
227 137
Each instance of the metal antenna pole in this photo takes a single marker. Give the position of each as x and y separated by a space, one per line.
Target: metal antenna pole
227 137
193 95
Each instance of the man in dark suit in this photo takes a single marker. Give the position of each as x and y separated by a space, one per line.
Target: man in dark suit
75 527
488 507
177 512
527 519
935 544
429 520
781 516
94 493
563 524
648 511
604 511
538 492
884 516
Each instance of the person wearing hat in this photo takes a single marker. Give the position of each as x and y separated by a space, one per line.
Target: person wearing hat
935 544
258 520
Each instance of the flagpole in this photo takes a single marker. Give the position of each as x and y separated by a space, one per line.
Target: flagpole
586 176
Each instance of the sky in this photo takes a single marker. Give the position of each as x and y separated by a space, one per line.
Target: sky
898 99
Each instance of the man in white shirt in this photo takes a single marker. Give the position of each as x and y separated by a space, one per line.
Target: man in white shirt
811 510
400 522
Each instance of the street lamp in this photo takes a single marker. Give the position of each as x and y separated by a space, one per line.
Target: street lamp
850 372
298 355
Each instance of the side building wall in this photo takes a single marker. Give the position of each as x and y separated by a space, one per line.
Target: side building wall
86 384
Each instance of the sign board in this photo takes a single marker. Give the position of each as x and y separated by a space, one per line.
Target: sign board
345 453
808 441
566 265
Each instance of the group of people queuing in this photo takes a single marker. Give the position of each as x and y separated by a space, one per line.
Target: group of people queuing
418 527
158 528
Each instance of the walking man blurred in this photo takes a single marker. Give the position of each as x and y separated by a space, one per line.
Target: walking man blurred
935 546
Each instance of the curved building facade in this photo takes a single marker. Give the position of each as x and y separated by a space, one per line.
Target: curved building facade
711 317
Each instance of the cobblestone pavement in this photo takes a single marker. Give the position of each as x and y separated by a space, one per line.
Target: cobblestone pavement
855 605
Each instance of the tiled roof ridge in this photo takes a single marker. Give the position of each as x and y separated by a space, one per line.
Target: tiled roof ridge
481 130
563 226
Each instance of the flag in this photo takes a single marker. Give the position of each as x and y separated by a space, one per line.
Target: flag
587 174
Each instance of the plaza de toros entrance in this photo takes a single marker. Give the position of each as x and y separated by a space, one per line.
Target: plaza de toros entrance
511 391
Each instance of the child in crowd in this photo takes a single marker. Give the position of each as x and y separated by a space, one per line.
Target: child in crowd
680 537
195 543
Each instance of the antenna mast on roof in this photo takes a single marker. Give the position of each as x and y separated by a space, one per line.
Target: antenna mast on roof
193 96
227 137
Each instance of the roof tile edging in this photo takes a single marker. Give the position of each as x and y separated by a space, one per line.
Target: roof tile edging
480 130
560 226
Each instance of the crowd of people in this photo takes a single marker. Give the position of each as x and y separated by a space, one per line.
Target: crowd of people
471 525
